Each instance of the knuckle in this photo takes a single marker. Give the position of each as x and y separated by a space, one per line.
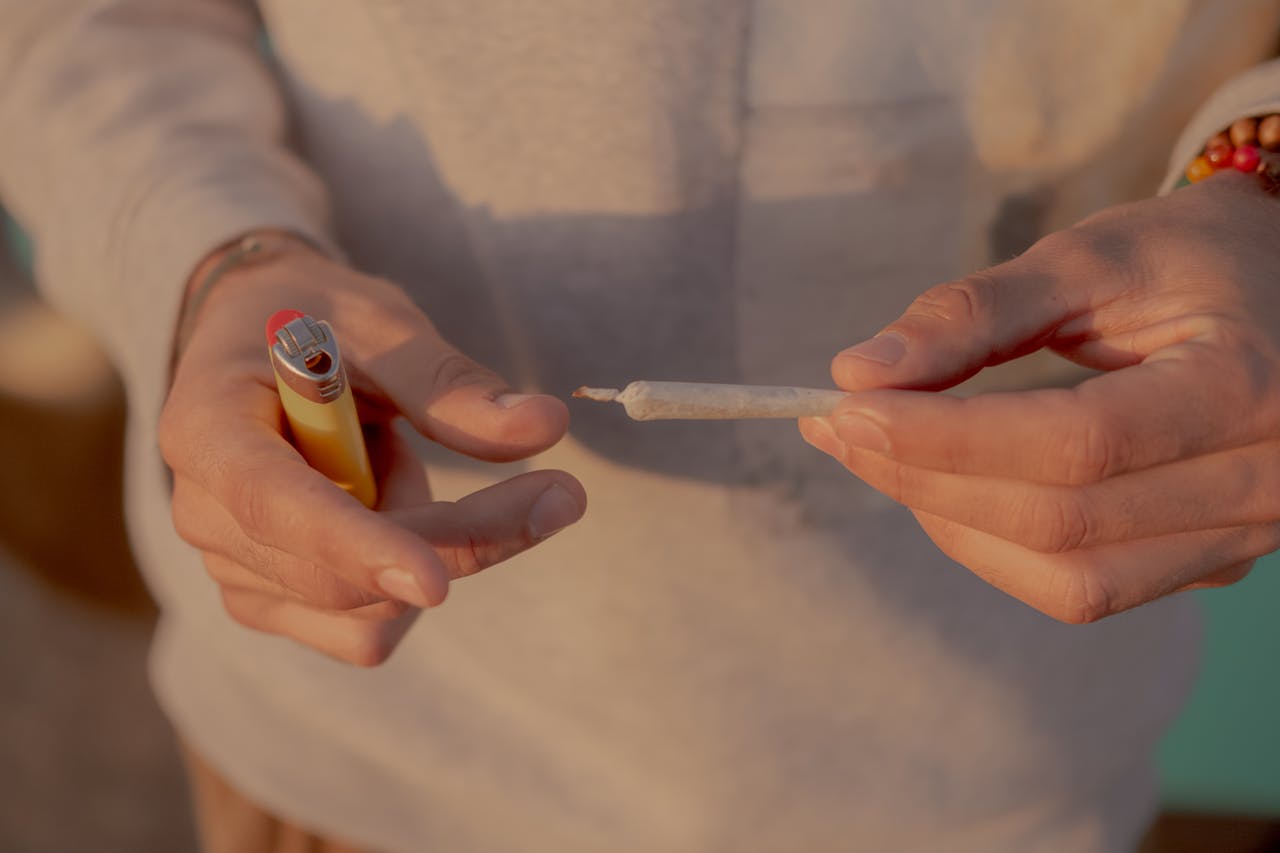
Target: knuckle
472 554
270 565
466 548
895 481
966 300
1083 595
1065 244
452 369
1058 521
1100 249
306 581
329 592
1095 451
187 442
251 506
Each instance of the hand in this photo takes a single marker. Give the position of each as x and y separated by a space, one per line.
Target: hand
1161 474
294 554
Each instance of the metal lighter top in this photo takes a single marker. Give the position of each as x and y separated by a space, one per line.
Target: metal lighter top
305 355
318 402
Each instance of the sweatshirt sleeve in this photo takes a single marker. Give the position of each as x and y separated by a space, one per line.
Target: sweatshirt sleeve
1255 92
135 137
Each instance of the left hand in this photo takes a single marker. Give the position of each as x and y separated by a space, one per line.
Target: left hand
1160 474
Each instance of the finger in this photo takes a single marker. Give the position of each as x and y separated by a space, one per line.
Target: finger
1223 577
391 350
401 474
236 453
233 559
1084 586
348 638
452 399
498 522
953 330
1186 402
231 575
477 532
1229 489
1086 291
467 536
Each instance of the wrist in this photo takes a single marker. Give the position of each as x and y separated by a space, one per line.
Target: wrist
1249 145
253 250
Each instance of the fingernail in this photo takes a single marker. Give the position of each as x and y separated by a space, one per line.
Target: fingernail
402 586
554 510
886 349
861 431
822 435
510 401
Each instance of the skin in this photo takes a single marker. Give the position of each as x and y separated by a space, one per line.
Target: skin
1160 474
291 553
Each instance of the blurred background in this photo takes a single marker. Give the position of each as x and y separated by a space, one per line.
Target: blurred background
88 760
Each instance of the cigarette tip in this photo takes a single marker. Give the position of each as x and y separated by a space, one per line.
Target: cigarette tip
602 395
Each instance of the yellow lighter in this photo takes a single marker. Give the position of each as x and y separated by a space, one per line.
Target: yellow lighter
318 402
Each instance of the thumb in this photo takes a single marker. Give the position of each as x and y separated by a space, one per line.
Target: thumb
459 403
953 330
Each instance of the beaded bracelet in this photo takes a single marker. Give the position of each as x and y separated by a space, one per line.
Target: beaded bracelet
1242 147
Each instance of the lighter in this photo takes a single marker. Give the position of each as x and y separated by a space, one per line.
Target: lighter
318 402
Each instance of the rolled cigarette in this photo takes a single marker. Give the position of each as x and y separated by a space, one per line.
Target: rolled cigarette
651 401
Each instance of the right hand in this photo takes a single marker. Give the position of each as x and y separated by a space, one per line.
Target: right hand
293 554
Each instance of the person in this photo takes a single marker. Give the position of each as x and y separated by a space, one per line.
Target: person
741 646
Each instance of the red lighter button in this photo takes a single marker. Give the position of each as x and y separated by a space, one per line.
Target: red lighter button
277 322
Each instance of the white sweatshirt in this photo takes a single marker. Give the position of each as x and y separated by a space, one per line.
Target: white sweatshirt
741 648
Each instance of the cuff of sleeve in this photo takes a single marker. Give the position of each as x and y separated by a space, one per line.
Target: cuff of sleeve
167 233
1256 92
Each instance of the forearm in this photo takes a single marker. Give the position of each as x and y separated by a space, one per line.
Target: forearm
139 136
